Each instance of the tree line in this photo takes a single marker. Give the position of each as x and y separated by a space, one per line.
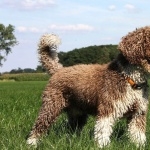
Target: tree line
39 69
89 55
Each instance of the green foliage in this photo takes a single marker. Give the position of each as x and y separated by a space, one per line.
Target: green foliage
25 77
19 106
7 40
19 70
92 54
39 69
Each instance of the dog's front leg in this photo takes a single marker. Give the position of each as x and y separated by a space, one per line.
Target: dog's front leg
103 130
137 128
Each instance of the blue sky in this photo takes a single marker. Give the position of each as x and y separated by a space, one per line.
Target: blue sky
79 23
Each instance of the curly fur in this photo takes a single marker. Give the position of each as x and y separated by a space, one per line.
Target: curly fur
48 56
135 46
100 90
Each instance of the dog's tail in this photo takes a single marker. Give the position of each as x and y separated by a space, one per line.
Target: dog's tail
47 50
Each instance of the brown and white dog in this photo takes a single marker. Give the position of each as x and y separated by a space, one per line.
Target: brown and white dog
110 92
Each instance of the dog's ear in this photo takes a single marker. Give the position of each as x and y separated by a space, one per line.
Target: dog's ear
136 45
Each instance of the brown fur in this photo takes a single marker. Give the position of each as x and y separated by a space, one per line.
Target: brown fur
100 90
135 46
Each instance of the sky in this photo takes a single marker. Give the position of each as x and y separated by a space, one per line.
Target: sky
78 23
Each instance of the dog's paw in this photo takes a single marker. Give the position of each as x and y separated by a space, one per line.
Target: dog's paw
32 141
103 142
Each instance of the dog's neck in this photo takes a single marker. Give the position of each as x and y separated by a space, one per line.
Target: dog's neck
134 74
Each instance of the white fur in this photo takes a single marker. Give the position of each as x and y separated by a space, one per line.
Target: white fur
103 130
50 40
136 135
122 105
32 141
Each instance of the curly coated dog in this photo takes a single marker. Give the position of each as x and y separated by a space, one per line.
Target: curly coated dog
110 92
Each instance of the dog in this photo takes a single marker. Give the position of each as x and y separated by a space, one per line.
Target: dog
109 92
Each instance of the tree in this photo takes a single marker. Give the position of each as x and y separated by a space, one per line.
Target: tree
7 40
40 69
28 70
13 71
89 55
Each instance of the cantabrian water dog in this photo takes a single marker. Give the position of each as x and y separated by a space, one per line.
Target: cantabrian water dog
110 92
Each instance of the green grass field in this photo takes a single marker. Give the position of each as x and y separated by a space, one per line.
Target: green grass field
19 105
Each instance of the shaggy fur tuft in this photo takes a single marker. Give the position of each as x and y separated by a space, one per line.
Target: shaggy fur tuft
47 51
135 46
109 92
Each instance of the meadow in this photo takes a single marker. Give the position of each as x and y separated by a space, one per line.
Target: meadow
19 106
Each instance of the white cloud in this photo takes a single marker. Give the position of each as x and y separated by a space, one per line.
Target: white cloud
131 8
28 29
36 4
34 30
77 27
28 4
21 29
112 7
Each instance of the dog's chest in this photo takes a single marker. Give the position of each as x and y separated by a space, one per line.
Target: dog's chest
138 94
134 100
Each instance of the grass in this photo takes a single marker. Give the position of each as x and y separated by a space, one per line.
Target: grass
19 106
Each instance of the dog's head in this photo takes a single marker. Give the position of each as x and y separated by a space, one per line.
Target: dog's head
135 46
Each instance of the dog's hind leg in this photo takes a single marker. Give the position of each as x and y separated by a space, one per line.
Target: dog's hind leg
53 103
